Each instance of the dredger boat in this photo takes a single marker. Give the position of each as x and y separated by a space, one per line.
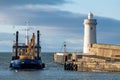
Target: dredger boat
27 56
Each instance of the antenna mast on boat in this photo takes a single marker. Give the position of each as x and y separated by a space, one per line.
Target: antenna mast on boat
27 36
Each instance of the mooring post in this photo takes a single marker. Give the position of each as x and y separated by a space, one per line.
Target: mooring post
16 52
38 44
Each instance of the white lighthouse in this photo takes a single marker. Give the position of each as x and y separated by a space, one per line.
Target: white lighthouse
89 32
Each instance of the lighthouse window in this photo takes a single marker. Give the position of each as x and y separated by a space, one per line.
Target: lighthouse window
91 28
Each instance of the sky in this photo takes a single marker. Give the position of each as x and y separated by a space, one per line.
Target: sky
58 21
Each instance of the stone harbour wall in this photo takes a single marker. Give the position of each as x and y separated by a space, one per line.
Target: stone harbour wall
105 50
98 67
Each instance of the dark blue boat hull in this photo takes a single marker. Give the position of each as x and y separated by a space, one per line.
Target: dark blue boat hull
27 64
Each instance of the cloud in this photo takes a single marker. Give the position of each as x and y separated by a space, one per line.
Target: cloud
75 41
46 18
4 18
6 42
56 26
52 38
36 7
54 32
7 3
107 30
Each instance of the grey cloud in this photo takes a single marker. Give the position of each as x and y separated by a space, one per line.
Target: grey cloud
45 18
63 19
108 30
68 25
7 3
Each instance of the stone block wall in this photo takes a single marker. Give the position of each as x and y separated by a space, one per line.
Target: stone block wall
105 50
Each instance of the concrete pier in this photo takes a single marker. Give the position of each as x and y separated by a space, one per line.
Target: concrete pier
61 58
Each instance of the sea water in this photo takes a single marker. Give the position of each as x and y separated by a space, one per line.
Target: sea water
52 71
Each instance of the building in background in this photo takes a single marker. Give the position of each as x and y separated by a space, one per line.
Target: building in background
89 32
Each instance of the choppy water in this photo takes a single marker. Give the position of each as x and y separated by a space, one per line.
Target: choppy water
51 72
